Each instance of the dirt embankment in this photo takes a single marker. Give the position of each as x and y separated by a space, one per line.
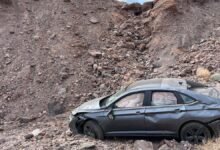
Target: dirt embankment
57 54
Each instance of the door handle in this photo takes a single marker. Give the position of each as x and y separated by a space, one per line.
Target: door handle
178 110
138 112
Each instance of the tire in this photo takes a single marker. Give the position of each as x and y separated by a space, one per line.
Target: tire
92 129
195 133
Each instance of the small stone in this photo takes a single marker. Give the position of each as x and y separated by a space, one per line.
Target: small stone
28 136
143 145
36 37
69 133
102 86
36 132
95 53
202 72
215 77
11 32
67 0
93 20
142 47
87 145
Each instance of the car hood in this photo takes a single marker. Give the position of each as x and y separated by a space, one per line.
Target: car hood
89 106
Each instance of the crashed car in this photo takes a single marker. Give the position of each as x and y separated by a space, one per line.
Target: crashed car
157 107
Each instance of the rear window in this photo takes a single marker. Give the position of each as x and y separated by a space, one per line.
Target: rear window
163 99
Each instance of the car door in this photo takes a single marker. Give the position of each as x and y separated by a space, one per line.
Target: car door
128 116
163 113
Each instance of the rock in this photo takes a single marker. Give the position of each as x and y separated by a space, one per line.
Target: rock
26 120
55 108
215 77
93 20
143 145
95 53
87 145
142 47
36 37
64 73
2 141
62 91
67 0
28 136
147 6
164 147
36 132
174 145
69 133
202 72
135 8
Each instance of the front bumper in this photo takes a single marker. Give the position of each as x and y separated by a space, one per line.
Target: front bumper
76 123
72 124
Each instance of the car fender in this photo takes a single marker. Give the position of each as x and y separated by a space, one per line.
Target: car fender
215 126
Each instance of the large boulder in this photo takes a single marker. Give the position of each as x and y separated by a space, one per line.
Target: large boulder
143 145
202 72
215 77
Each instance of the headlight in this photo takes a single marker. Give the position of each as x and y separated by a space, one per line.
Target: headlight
74 112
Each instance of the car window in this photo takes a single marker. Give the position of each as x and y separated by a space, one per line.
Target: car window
187 99
134 100
163 98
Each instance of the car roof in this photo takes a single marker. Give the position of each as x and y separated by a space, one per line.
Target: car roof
158 83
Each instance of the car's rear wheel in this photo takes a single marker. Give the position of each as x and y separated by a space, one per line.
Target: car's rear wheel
195 133
92 129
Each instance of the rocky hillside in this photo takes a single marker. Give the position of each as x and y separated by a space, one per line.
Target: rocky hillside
57 54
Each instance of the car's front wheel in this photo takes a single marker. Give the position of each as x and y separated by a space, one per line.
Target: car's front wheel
195 133
92 129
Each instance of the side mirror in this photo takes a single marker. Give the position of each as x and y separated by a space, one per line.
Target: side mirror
110 114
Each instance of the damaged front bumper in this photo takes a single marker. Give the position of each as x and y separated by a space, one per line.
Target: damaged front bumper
215 125
76 123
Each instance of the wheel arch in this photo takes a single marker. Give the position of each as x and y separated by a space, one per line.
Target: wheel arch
195 121
89 119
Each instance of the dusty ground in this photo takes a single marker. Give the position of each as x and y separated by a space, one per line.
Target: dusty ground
59 54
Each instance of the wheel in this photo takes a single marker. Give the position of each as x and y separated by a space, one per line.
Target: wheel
92 129
195 133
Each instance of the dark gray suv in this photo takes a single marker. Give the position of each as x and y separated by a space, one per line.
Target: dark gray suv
156 107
